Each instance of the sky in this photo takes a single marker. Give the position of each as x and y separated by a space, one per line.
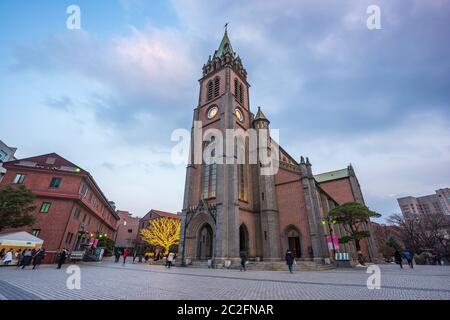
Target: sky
108 96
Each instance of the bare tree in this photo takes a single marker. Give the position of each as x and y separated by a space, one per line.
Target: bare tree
428 232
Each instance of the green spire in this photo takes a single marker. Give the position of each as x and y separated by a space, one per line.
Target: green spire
225 46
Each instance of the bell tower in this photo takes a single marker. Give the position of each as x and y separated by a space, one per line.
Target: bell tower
213 192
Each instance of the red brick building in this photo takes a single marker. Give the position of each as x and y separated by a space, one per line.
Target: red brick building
234 206
144 223
70 206
343 186
127 230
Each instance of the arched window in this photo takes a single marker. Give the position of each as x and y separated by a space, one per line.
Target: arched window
209 95
241 169
241 182
241 94
210 176
216 87
243 238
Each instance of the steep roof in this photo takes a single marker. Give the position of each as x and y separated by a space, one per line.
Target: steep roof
224 47
20 236
332 175
260 115
166 214
160 213
49 161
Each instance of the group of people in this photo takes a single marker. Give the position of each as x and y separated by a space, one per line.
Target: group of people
32 257
118 253
125 253
24 258
408 255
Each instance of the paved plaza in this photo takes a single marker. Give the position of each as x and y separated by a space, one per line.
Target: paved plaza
106 280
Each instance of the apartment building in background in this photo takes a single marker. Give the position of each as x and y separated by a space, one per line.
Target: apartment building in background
437 203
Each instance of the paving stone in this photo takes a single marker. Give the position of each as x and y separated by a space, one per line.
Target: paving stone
108 280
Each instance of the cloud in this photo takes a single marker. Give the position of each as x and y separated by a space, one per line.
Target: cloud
338 92
145 72
62 103
403 160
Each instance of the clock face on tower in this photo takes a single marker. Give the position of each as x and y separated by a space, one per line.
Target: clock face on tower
239 114
212 111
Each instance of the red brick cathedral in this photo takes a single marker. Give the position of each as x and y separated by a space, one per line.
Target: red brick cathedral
230 208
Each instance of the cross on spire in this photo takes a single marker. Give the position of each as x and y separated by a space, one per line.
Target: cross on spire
225 45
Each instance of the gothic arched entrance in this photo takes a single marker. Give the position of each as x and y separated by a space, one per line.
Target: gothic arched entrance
293 241
243 238
205 243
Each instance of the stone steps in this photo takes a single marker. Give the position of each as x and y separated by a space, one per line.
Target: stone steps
269 266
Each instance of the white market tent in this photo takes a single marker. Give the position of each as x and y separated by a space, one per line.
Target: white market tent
20 239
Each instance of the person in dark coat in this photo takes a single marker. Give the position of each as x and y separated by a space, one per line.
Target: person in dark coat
38 258
398 258
409 257
289 259
26 258
62 258
117 255
243 256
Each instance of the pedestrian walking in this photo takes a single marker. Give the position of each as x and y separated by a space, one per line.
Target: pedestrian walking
409 257
19 256
2 253
117 255
37 260
8 257
289 260
134 255
398 258
243 256
125 255
62 257
170 258
26 259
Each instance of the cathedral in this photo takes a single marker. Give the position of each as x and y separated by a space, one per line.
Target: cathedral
232 207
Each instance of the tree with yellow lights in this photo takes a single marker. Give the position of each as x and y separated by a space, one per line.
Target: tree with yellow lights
163 232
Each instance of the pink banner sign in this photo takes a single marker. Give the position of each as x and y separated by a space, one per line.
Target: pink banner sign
93 242
335 242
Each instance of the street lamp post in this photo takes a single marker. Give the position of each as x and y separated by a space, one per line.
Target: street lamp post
329 221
